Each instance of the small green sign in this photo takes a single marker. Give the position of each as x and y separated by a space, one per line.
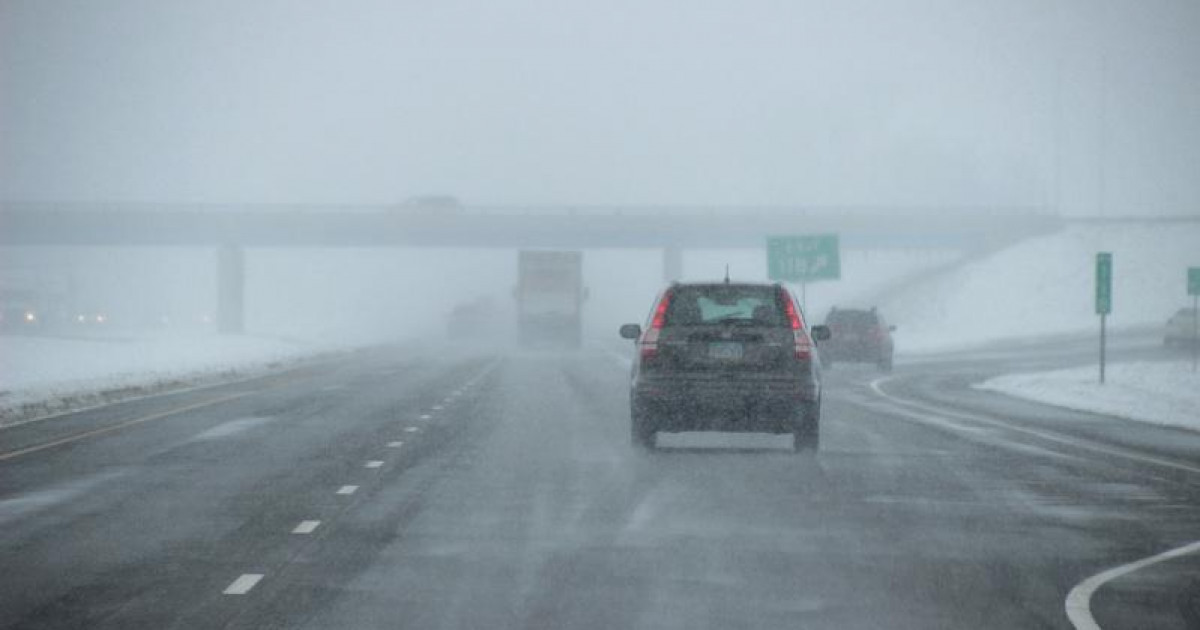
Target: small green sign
803 258
1103 283
1193 280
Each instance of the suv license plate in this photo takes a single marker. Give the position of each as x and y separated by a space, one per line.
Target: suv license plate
725 350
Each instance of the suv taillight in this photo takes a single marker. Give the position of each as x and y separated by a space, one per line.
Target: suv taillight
803 343
649 342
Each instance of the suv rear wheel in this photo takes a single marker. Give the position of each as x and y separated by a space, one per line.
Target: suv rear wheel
641 429
806 437
885 363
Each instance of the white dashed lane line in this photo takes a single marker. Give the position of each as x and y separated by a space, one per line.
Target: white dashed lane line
437 407
306 527
411 429
375 463
426 416
243 584
396 444
347 490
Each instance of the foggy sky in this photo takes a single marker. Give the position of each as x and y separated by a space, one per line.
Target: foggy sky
1087 106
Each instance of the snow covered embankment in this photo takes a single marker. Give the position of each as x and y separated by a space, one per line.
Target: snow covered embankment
1166 393
41 376
1044 286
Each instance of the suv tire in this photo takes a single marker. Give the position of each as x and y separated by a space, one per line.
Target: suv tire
642 433
806 436
885 363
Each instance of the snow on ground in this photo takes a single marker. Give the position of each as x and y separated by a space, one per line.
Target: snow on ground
1166 393
1044 286
43 375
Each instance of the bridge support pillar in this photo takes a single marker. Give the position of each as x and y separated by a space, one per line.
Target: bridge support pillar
231 290
672 263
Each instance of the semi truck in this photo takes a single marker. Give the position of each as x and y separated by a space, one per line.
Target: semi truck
550 296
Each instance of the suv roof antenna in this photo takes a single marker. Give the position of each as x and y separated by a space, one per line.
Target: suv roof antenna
726 273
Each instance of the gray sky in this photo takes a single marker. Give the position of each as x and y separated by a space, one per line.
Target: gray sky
942 102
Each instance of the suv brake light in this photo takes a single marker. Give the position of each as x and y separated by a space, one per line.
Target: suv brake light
803 346
649 343
803 343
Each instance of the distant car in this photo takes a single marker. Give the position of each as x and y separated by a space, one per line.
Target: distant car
858 336
735 357
471 320
1180 328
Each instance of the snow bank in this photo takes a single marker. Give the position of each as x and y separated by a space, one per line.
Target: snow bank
42 375
1166 393
1044 286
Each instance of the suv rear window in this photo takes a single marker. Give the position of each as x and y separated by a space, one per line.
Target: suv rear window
725 304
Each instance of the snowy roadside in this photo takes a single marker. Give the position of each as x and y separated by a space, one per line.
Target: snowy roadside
43 376
1165 393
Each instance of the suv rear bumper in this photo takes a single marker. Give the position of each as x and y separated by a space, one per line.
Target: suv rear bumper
853 351
724 404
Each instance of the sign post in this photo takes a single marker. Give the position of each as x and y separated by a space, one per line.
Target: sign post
803 259
1103 300
1194 291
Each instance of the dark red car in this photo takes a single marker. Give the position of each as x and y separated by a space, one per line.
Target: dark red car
858 336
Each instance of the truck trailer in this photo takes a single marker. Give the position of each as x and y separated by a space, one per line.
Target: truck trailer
550 296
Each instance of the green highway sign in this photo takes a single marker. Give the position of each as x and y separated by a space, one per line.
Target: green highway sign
1103 283
1193 280
803 258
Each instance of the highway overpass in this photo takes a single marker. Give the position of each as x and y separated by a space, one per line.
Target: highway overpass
232 228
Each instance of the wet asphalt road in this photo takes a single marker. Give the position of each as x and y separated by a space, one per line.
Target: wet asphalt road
445 488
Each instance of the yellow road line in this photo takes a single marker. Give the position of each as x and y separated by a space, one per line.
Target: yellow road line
116 427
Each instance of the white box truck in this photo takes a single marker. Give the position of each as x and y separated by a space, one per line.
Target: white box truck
550 296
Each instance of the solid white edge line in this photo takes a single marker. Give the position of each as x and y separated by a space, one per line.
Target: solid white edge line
347 490
306 527
374 463
1051 437
243 584
1079 600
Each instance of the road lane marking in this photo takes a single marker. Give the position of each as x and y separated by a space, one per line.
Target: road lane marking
33 502
116 427
426 416
411 429
437 407
306 527
347 490
1079 600
243 584
233 427
396 444
944 415
375 463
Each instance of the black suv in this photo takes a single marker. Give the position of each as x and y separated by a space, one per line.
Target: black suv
726 356
860 336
